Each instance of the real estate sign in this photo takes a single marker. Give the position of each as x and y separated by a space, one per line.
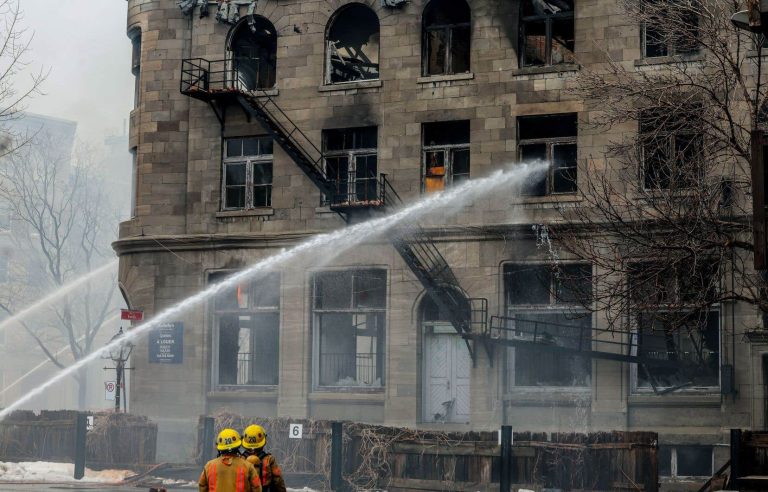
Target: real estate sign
166 343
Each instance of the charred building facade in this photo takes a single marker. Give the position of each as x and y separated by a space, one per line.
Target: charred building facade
260 124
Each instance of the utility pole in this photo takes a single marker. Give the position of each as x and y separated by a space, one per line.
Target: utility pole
119 354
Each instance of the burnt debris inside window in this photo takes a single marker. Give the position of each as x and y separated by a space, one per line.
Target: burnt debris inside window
546 33
447 36
549 302
671 149
353 45
445 154
550 138
254 54
671 28
247 318
247 179
351 164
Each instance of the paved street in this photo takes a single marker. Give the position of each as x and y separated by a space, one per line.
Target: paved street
78 487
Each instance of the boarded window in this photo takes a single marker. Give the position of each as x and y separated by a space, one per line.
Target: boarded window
446 37
550 138
247 317
349 309
254 54
351 164
353 45
546 33
549 302
445 154
247 179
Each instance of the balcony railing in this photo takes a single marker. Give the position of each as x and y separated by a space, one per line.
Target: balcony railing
358 193
228 76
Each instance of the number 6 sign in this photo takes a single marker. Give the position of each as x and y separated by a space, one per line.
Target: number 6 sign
295 431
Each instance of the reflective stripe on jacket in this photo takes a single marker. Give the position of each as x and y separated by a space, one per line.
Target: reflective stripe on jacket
269 472
229 474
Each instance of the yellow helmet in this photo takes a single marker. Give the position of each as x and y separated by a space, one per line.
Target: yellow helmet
254 437
228 440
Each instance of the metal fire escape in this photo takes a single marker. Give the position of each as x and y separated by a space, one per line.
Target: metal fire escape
219 84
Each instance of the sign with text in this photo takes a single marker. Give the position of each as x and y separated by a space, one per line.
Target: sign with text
131 315
109 390
166 343
295 431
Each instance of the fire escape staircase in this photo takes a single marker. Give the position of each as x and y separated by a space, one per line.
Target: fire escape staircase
216 83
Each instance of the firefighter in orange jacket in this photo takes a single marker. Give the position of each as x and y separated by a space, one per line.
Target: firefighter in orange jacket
254 440
229 472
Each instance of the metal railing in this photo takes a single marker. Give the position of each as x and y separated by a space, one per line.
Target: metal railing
200 76
349 369
358 192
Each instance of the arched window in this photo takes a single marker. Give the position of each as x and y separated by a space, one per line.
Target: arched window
353 45
447 32
254 53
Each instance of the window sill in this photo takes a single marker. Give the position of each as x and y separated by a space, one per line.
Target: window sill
705 397
324 210
240 393
266 92
346 86
550 200
668 60
546 395
347 394
430 79
250 212
546 69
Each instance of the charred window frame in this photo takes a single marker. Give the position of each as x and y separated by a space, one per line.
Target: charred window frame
445 154
689 461
246 324
351 163
555 299
134 180
446 37
349 316
550 138
670 30
671 149
669 325
352 45
253 48
135 37
247 171
547 35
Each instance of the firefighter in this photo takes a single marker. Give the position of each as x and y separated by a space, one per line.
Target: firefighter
254 440
229 472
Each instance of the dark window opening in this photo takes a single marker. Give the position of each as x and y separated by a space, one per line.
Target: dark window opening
550 301
349 309
550 138
445 154
254 54
134 180
136 65
351 163
546 33
670 29
247 179
671 150
685 461
247 317
353 45
447 37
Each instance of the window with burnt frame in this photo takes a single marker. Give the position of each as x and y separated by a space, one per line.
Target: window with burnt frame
352 50
246 318
551 303
550 138
671 29
254 54
247 179
445 154
135 36
447 33
671 150
351 163
349 312
546 33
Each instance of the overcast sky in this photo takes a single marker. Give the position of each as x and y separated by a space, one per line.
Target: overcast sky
84 45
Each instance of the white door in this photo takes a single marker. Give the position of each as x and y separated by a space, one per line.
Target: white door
447 369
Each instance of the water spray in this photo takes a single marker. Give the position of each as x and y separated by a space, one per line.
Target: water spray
347 238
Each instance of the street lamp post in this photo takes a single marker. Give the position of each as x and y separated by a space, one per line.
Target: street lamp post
119 354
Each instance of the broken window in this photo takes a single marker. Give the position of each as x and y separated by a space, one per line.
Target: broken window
447 37
247 179
445 154
550 138
685 461
134 179
546 33
672 28
353 45
247 320
135 36
254 54
351 164
671 150
349 309
549 302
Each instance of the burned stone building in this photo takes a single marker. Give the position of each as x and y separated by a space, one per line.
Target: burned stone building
261 124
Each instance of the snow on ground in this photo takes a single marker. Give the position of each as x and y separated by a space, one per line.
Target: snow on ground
42 471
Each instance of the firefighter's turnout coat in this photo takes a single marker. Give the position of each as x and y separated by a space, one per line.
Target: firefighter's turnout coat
229 473
269 472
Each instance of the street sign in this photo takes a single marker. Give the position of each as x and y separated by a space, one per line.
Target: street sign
109 390
131 315
166 343
295 431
